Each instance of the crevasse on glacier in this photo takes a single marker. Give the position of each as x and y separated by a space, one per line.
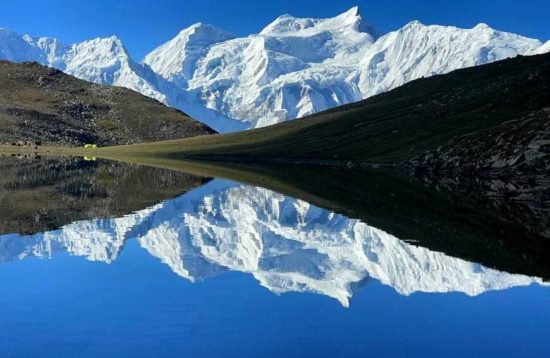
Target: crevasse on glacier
286 244
294 67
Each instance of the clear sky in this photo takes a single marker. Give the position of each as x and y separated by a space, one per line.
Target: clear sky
144 24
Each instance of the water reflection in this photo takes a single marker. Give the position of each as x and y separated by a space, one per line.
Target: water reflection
286 244
43 194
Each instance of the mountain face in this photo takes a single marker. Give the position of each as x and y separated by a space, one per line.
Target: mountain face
294 67
176 60
286 244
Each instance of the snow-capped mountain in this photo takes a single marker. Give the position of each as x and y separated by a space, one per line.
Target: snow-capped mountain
17 48
418 50
287 245
294 67
105 61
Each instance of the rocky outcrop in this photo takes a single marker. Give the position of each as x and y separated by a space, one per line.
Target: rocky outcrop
507 163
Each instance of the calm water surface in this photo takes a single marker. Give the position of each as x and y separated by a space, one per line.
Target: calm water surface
107 260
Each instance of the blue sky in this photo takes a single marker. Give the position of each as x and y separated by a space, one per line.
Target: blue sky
143 25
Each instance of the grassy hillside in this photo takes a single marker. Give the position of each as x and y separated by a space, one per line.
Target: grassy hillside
40 103
392 127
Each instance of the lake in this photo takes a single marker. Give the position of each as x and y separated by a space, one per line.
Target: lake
103 259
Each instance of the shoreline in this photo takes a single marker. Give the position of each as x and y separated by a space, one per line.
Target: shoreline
110 153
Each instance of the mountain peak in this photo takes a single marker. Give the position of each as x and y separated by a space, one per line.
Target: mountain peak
103 45
352 13
111 40
200 34
415 24
114 40
483 27
353 18
201 26
290 25
311 64
176 58
196 26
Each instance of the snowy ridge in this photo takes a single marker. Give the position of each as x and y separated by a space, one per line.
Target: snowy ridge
418 50
17 48
294 67
543 49
288 246
288 25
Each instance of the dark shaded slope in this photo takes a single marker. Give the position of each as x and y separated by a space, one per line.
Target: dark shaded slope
40 103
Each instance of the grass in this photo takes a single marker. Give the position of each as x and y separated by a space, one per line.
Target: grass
107 124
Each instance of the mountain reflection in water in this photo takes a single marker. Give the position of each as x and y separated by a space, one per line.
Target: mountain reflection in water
286 244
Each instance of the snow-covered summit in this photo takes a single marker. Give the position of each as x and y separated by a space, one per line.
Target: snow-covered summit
299 66
98 60
288 25
176 59
203 35
101 60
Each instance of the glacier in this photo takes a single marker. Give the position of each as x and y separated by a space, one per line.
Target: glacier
285 244
292 68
